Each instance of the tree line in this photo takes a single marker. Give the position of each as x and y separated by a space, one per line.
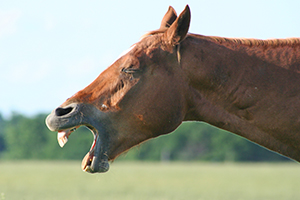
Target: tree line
23 137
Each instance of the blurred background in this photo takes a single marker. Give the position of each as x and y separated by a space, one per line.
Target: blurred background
49 50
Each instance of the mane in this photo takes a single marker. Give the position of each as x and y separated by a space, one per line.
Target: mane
252 42
155 32
240 41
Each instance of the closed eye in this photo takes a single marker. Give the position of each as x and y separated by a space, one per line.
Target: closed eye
130 70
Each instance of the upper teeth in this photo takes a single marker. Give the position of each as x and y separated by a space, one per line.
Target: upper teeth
62 138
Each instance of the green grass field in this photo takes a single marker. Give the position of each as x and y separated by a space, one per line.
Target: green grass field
201 181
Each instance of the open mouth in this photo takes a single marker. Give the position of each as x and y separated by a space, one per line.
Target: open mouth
67 119
93 160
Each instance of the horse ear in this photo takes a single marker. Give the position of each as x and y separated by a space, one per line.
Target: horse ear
168 19
178 30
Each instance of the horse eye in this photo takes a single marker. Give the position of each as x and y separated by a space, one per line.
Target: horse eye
129 70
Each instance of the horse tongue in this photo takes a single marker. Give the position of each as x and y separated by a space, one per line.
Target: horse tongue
62 137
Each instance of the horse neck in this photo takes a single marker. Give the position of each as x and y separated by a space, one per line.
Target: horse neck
239 89
216 70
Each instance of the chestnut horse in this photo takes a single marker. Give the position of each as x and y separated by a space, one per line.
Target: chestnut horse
249 87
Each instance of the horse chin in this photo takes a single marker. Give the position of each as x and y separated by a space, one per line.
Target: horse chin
93 164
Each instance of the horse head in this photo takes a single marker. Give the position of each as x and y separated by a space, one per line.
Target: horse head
140 96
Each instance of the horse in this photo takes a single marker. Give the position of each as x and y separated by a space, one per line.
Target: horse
249 87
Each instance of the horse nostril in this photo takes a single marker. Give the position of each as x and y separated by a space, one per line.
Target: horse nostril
63 111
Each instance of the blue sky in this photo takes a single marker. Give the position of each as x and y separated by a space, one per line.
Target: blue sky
49 50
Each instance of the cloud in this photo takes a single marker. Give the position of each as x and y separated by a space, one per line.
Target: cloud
8 22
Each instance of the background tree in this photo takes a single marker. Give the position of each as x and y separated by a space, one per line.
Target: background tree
200 141
24 137
2 141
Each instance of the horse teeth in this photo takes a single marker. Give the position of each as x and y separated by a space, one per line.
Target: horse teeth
62 138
